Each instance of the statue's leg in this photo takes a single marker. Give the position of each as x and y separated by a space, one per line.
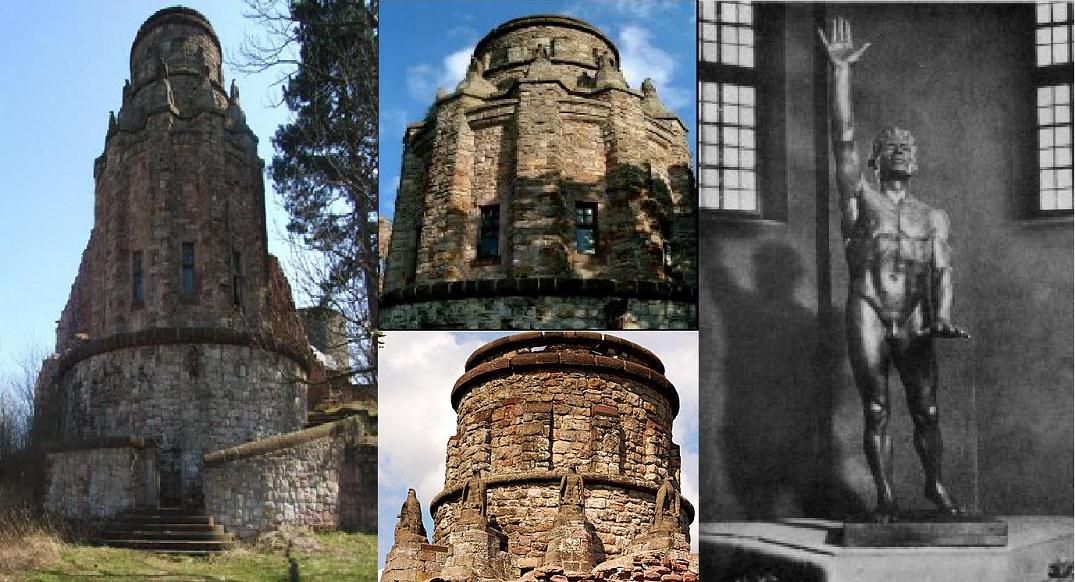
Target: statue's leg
868 353
917 366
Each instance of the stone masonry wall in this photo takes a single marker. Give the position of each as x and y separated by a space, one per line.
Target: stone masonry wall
189 398
320 477
100 482
542 313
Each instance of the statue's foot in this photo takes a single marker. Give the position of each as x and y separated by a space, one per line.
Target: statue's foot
946 504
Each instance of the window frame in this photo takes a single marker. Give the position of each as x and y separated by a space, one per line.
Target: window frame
770 144
187 262
1042 76
493 230
138 291
592 227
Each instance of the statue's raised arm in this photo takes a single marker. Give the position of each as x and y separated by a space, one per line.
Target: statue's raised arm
842 54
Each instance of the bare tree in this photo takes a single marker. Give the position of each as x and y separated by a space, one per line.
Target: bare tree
325 165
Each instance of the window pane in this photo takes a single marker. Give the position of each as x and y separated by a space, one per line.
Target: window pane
729 93
747 179
711 197
1045 95
746 116
747 57
1060 11
728 54
709 31
746 95
1060 34
728 12
1063 135
710 177
1060 53
1048 200
748 200
1063 113
1062 94
1045 137
731 200
744 13
731 178
730 114
1063 157
746 158
1063 200
1041 36
1045 54
709 53
1048 179
746 137
1063 179
1046 157
1042 13
731 157
731 136
1045 116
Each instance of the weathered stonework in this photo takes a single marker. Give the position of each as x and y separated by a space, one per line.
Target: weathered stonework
180 331
544 122
567 437
99 478
319 477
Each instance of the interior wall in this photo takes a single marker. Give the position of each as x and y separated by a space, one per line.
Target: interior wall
781 416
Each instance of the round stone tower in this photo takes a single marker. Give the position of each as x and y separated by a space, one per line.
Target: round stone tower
535 411
180 330
544 192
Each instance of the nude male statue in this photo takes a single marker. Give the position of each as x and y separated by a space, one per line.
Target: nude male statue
900 295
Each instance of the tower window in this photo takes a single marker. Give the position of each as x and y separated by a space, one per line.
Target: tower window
137 291
586 228
236 278
187 282
489 232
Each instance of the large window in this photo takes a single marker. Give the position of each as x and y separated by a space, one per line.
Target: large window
1053 74
740 85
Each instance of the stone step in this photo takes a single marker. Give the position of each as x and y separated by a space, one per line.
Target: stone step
171 519
157 526
166 534
169 546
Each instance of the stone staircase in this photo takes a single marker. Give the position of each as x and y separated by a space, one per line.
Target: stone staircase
173 531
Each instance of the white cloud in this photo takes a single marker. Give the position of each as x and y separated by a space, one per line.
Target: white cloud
641 9
640 60
423 79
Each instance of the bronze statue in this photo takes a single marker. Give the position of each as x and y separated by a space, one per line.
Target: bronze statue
900 295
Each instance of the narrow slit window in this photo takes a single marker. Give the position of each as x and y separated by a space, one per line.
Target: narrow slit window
586 228
489 232
137 290
187 282
236 278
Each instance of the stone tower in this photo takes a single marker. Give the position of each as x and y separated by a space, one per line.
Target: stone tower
179 336
563 460
544 192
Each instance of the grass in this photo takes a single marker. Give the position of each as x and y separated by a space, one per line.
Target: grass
332 556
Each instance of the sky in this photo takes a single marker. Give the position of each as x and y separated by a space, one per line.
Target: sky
426 44
416 419
64 64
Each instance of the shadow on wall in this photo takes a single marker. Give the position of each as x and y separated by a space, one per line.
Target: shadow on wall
776 398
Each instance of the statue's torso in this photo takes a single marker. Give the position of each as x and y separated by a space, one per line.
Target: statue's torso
890 253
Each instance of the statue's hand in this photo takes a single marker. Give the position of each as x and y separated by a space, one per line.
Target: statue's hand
945 330
841 50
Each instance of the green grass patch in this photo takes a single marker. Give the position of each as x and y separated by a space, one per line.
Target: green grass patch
340 556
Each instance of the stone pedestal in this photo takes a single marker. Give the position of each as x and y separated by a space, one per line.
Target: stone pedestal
811 550
477 551
573 544
927 531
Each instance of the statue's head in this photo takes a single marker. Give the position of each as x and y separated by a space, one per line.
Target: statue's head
894 154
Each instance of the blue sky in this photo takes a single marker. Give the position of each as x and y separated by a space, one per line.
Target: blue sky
415 420
428 43
64 65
